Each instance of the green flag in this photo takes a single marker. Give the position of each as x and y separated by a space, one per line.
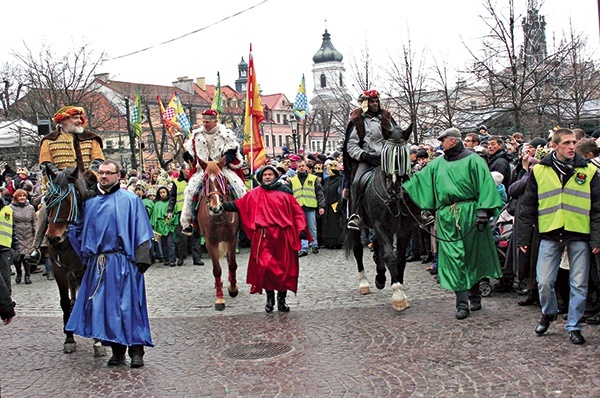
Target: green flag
136 114
217 102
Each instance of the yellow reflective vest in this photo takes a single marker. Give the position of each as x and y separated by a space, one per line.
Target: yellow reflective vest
181 185
306 194
565 207
6 226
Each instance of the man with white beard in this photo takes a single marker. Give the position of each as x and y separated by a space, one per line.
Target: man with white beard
70 145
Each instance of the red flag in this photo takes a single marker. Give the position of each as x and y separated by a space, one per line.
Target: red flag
253 142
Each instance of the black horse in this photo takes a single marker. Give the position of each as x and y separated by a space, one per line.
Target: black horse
66 192
387 210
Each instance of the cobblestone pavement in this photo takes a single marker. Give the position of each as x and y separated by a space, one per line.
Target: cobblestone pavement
341 344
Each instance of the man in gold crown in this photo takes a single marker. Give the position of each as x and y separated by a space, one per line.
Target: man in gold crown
70 145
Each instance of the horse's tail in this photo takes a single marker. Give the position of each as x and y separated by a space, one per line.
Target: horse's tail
223 249
348 239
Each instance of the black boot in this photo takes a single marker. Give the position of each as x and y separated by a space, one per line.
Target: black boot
281 304
19 276
118 354
270 305
27 267
136 353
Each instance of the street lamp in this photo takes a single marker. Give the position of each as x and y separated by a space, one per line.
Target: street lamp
293 122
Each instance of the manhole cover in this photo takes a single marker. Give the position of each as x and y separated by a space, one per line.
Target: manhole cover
256 350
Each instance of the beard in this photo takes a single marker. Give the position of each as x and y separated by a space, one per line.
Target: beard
73 129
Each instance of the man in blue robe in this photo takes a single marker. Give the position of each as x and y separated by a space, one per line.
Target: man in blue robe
113 241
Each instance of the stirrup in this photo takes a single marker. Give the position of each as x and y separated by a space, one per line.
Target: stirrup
354 222
187 230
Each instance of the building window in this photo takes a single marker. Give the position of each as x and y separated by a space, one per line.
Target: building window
280 141
267 140
278 119
341 80
323 81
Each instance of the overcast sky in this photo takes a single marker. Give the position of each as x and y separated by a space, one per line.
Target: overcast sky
285 34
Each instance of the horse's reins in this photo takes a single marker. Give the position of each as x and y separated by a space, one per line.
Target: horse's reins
222 200
55 197
395 161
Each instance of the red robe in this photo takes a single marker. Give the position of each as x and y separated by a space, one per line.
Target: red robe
272 220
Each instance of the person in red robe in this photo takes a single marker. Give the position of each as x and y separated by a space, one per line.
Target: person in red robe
275 223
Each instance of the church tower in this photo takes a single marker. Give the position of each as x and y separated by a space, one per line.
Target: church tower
328 71
534 31
242 80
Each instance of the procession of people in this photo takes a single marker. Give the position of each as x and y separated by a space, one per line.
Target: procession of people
295 203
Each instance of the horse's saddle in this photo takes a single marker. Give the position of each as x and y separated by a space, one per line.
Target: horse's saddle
364 180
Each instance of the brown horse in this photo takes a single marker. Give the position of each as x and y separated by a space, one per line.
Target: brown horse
219 229
63 201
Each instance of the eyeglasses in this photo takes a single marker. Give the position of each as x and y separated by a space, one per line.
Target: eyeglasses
107 173
468 140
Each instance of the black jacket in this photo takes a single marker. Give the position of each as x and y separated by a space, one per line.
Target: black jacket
500 162
528 210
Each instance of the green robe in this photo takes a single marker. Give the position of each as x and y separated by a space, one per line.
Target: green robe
455 190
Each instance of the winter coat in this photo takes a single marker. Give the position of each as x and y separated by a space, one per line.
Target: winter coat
25 223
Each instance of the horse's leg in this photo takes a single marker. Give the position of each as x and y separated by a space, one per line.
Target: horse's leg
213 251
357 250
386 255
399 299
379 263
62 281
232 266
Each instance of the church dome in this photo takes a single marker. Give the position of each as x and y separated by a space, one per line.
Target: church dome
327 52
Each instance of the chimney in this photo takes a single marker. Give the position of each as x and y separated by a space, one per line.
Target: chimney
185 84
105 77
201 82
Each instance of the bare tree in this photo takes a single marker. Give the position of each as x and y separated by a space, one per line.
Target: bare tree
515 77
12 79
407 83
51 81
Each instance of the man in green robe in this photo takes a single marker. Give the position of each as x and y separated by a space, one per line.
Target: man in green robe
459 188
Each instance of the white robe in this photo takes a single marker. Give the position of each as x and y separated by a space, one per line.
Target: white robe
224 140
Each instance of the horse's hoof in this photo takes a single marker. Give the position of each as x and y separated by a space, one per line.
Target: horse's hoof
219 304
401 305
69 348
379 285
233 292
364 290
99 350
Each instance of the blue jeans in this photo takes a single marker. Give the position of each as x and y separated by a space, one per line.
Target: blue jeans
311 220
168 247
549 258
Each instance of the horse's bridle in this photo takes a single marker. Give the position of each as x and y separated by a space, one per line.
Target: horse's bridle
55 197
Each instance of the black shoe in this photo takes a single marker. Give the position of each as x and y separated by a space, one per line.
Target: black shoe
18 279
281 304
302 253
476 307
27 280
413 258
462 313
315 250
593 320
544 324
34 257
172 263
187 230
354 222
116 360
504 285
199 262
529 300
427 259
270 305
576 337
180 262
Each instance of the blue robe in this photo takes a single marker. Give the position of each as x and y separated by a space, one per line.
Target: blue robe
111 304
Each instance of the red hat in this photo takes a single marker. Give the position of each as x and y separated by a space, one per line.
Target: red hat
67 111
295 158
210 114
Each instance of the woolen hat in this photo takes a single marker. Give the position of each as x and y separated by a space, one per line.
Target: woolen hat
538 141
259 175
